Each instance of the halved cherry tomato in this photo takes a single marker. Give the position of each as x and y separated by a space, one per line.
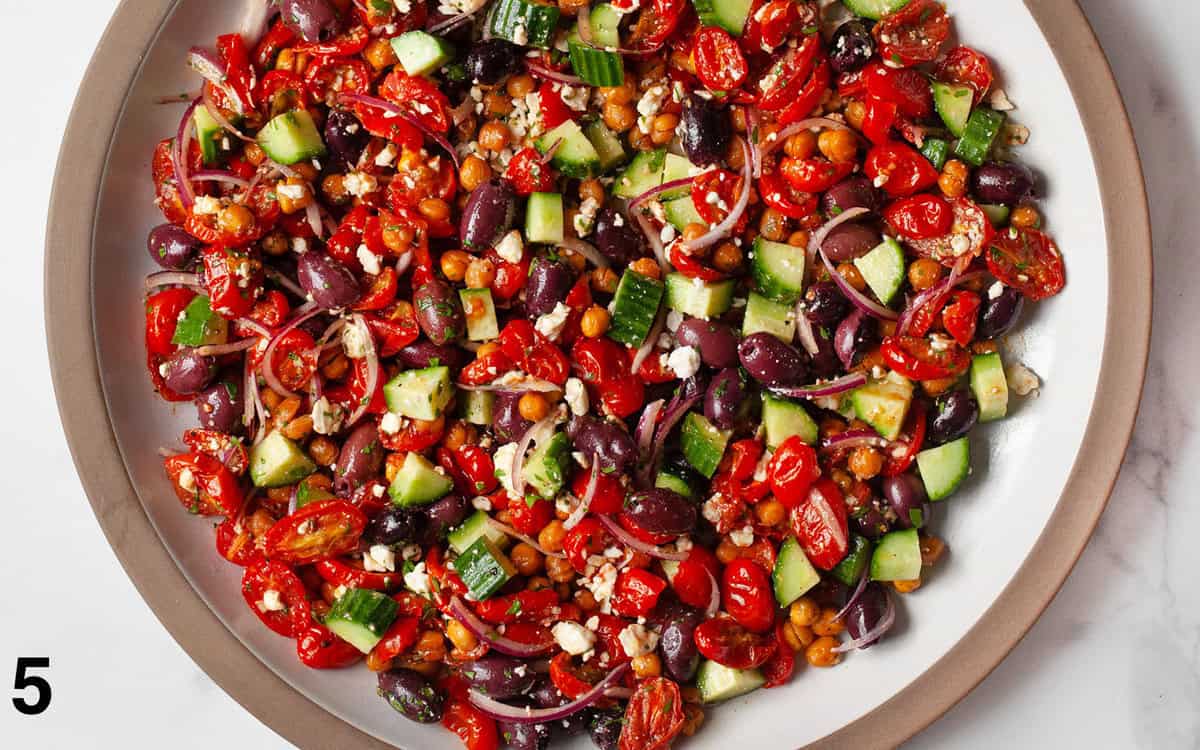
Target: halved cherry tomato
326 78
599 361
477 731
270 311
326 528
908 89
815 174
821 525
529 173
689 266
432 177
281 91
584 539
166 190
530 519
238 76
294 360
235 543
232 278
960 314
533 352
913 34
782 82
417 435
878 118
385 124
654 716
351 42
286 611
771 24
624 396
792 470
965 65
395 327
729 644
353 576
400 636
781 196
510 277
1028 261
227 449
609 495
477 466
695 577
747 596
572 678
779 668
204 485
381 290
319 648
903 169
918 358
655 23
810 95
636 592
914 430
554 110
485 369
920 217
162 314
719 62
969 233
714 194
527 606
420 96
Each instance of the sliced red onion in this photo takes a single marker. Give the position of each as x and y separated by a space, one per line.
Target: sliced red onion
519 715
372 359
645 429
633 543
620 693
211 69
452 22
587 250
397 111
862 585
487 633
722 230
217 350
525 386
550 152
312 212
652 236
283 281
659 190
854 439
509 530
933 295
714 598
647 347
874 634
303 313
857 298
589 494
253 404
403 262
537 433
172 278
255 326
796 127
688 394
215 112
218 175
845 335
179 162
830 388
818 237
804 330
541 71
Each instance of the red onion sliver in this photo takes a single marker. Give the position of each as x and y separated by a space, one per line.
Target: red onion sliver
216 350
587 250
528 384
304 312
589 494
217 175
633 543
372 358
546 157
541 71
853 439
652 236
450 23
312 212
647 347
215 112
505 528
722 230
862 584
830 388
283 281
179 151
519 715
212 70
170 278
659 190
857 298
714 598
645 429
487 633
934 294
796 127
536 433
804 330
874 634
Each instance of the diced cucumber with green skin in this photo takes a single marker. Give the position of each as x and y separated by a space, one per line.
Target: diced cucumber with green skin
883 269
278 462
997 213
669 480
480 314
699 299
546 468
198 325
774 318
989 386
649 169
361 617
575 156
794 575
418 482
935 150
783 418
702 443
544 218
778 270
897 557
484 569
681 211
596 67
730 15
884 404
851 568
608 146
419 394
874 9
635 306
477 407
953 105
420 52
945 467
717 682
477 525
208 133
291 137
525 22
980 134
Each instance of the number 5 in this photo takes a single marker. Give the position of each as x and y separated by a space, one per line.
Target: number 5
23 680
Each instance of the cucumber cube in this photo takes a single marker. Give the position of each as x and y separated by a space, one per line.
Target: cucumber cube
291 137
480 312
944 468
774 318
697 298
897 557
418 482
544 218
989 386
419 394
702 443
883 269
484 568
278 462
420 52
783 418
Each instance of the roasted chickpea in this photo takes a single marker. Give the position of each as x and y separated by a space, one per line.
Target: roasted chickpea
594 322
646 267
454 264
494 136
533 406
820 652
473 172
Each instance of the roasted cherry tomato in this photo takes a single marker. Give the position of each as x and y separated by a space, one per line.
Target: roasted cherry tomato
747 596
714 194
772 24
778 193
204 485
510 277
689 266
533 352
913 34
636 592
908 89
352 575
821 525
420 176
385 124
400 636
779 668
381 290
395 327
327 78
166 189
729 644
235 543
280 91
477 731
417 435
270 312
574 679
232 278
783 81
485 369
351 42
810 95
294 360
965 65
1028 261
227 449
162 314
654 716
815 174
969 233
920 217
913 438
276 38
319 648
277 596
529 173
792 470
609 495
719 62
878 118
921 359
657 20
527 606
477 466
902 168
586 538
960 314
420 96
624 396
530 519
326 528
695 578
599 361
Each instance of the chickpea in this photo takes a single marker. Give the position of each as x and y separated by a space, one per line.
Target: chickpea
586 600
391 466
285 412
622 94
937 386
799 238
662 129
618 117
379 54
887 328
647 665
270 399
520 85
647 267
494 135
838 146
550 538
458 434
727 257
591 188
773 225
694 231
693 718
803 612
299 428
923 273
276 243
434 209
576 261
866 462
797 638
1025 216
604 280
538 583
254 154
430 646
497 104
801 145
820 652
259 522
770 512
932 549
474 172
907 587
572 7
398 237
594 322
640 141
855 113
333 187
377 663
463 639
454 264
235 219
306 170
827 623
727 552
739 118
559 570
480 274
953 180
850 273
984 347
323 450
533 406
486 349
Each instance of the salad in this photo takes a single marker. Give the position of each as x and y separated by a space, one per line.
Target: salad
577 367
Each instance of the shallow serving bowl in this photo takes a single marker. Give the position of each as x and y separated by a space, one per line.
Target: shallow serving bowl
1041 480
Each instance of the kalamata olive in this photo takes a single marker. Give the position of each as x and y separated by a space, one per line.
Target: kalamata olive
545 695
524 736
851 48
187 372
421 354
849 241
612 446
679 655
661 511
499 676
1001 182
954 414
866 613
507 421
172 247
854 336
327 282
443 515
345 139
906 494
856 191
360 459
220 406
617 238
824 363
548 283
706 130
439 311
605 729
824 304
411 694
489 213
870 522
724 397
998 316
490 61
396 525
771 361
313 20
716 341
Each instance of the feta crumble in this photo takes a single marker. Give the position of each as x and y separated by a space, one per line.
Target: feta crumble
573 638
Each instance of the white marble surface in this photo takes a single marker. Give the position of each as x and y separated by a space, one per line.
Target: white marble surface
1114 663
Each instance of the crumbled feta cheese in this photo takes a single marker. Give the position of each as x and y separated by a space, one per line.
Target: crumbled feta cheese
404 6
683 544
206 205
379 559
576 396
1021 379
385 157
1014 134
368 259
674 320
378 489
511 247
574 97
355 342
586 217
618 220
995 290
520 35
503 461
667 234
880 180
552 323
712 508
359 184
299 245
481 503
684 362
187 480
271 602
999 101
390 423
417 580
940 343
742 537
411 552
649 105
573 637
326 417
601 584
293 192
637 640
760 469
